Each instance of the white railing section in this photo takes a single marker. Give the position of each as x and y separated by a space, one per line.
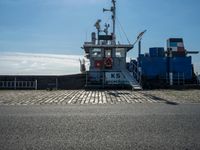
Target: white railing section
18 84
178 78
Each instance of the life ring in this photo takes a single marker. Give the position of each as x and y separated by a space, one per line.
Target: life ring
98 64
108 62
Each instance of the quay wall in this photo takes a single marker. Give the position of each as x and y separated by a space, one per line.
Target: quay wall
64 82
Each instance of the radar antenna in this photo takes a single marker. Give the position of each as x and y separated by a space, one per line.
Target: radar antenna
106 28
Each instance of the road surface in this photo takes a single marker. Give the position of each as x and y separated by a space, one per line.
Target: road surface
120 126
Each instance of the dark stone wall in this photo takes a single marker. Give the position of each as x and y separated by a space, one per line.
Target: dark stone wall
51 82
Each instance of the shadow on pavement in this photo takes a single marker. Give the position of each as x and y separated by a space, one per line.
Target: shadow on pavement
117 94
160 99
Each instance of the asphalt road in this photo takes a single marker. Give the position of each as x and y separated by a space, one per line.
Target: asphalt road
133 126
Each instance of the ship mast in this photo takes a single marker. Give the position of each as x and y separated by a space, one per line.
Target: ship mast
113 10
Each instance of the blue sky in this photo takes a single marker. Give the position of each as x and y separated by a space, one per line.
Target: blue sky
61 26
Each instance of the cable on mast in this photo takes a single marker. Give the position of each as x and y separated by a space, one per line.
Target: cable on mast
123 31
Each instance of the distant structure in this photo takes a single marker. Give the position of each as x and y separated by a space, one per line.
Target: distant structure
107 58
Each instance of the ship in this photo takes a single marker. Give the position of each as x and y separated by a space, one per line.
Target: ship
108 67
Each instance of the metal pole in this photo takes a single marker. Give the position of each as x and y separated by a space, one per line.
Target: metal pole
15 84
103 79
36 84
178 79
170 68
56 83
98 33
113 9
171 78
114 15
139 48
86 79
139 53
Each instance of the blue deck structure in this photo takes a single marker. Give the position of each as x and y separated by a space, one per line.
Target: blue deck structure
172 66
182 65
153 66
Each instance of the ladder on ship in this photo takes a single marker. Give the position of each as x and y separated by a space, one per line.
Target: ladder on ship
131 80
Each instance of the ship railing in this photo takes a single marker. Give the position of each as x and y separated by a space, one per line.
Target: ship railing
137 74
178 78
18 84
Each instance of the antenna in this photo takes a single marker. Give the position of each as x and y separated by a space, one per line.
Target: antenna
97 24
106 28
98 27
113 10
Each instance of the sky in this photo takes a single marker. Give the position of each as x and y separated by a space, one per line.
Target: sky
49 27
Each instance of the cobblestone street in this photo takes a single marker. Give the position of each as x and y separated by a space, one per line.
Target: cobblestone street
74 97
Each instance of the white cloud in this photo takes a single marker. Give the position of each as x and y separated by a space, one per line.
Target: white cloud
38 64
44 64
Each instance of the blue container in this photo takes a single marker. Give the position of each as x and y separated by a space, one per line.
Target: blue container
153 67
157 52
153 52
161 52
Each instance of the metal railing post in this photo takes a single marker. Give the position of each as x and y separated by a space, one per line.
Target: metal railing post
56 83
178 79
86 80
15 84
36 84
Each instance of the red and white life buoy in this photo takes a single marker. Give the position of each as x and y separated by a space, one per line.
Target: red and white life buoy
108 62
98 64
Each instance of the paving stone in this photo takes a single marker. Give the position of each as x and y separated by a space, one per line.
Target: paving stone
73 97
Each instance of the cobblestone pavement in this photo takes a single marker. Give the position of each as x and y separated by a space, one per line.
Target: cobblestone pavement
74 97
180 96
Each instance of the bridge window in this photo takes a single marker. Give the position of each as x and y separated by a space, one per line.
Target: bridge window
96 52
120 52
108 53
